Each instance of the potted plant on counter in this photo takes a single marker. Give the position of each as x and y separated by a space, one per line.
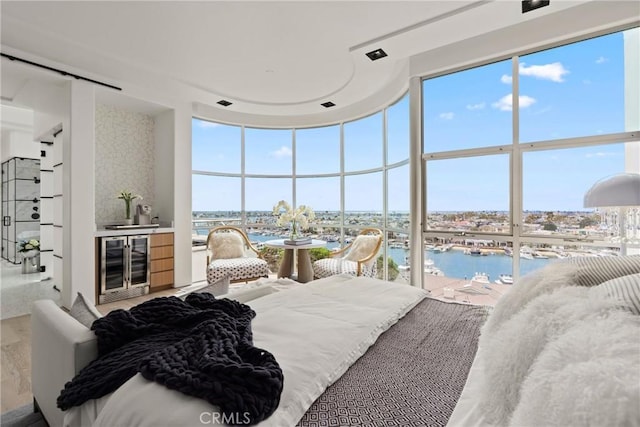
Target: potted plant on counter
128 197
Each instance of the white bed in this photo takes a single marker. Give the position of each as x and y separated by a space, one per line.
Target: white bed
527 369
337 318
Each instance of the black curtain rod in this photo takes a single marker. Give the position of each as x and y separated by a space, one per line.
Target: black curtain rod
64 73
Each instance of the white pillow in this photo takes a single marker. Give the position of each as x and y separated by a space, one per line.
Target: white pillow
625 289
226 246
362 247
83 311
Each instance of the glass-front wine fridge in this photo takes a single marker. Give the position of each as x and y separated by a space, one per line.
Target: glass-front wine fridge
125 263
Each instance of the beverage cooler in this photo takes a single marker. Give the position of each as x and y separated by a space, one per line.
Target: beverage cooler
125 265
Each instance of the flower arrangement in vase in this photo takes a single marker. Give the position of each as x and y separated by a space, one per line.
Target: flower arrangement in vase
128 197
295 218
29 248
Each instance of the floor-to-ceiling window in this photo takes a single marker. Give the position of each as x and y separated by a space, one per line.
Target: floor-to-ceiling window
509 150
353 174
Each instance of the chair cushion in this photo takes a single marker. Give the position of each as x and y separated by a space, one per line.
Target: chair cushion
331 266
237 269
226 246
362 247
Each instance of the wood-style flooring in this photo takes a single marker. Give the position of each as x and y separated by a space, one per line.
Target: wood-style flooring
15 354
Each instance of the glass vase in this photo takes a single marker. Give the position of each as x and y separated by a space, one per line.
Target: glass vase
293 233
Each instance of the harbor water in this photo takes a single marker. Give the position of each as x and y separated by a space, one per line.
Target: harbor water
453 263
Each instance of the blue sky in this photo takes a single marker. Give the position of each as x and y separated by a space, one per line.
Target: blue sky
569 91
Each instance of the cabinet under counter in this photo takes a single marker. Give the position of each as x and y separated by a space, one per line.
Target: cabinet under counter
161 261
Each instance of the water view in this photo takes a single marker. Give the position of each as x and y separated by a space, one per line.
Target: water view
453 263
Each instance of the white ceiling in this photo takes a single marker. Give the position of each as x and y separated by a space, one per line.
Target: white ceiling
278 60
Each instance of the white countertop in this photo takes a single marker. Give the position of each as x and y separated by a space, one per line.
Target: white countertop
132 231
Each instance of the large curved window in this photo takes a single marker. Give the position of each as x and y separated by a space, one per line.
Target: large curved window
461 113
363 143
508 160
268 151
215 147
574 90
343 171
318 150
398 131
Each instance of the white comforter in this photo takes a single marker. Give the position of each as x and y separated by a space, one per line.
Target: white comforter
554 354
315 332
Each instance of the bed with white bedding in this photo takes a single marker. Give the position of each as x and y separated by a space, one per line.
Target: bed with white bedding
561 348
316 333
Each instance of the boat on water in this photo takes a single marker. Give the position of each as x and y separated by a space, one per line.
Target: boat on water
443 248
526 255
429 267
505 279
475 252
481 278
508 251
538 255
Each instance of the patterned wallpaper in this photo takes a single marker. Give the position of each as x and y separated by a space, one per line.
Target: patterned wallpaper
124 161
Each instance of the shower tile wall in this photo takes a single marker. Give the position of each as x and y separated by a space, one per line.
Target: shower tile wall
20 204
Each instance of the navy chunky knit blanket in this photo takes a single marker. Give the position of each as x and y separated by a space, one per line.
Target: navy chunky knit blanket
201 346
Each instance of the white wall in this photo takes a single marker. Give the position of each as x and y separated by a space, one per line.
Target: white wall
79 196
17 134
19 144
181 151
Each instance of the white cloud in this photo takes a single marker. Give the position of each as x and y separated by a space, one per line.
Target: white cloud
601 60
542 110
554 72
506 79
446 116
599 154
478 106
282 152
506 103
206 124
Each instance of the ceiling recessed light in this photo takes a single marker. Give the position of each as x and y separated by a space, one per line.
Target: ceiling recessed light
224 102
328 104
376 54
529 5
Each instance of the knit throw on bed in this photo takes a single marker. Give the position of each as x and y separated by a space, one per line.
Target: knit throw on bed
201 346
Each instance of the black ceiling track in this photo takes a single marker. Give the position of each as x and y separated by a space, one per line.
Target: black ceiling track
64 73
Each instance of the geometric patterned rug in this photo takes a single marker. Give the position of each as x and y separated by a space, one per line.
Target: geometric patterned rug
412 376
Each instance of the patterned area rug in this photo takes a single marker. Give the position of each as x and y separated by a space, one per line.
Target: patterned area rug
23 417
412 376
